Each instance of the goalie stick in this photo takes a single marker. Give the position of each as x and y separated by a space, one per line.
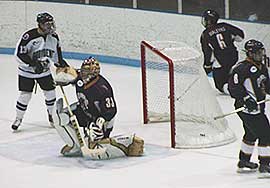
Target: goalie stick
238 110
86 152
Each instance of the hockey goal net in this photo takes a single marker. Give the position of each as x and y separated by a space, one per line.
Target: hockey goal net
175 89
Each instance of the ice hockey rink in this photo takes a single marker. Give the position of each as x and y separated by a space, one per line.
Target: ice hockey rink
30 158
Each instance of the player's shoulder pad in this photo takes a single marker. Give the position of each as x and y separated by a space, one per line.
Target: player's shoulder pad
204 36
30 35
103 85
230 26
224 24
105 82
55 35
240 67
247 68
204 32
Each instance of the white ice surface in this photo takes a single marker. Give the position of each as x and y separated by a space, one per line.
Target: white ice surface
30 158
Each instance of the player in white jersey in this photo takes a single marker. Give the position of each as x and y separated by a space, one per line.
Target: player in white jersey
36 50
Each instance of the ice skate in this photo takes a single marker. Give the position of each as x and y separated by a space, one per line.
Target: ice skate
246 167
59 105
15 125
50 119
264 171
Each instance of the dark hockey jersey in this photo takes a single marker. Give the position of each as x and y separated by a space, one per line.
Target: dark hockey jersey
33 47
249 79
96 99
218 40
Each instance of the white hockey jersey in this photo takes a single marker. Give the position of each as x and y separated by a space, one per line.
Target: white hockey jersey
33 47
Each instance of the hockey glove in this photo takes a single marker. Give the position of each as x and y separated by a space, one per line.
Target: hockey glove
95 132
100 122
250 103
65 75
38 67
208 69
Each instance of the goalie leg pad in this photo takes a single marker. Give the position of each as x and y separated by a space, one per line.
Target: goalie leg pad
131 144
111 151
119 146
68 135
136 148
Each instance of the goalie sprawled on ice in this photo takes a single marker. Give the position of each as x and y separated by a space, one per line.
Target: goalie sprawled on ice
94 114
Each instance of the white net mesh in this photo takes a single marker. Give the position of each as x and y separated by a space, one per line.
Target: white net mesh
195 101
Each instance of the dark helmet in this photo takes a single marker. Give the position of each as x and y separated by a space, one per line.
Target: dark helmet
90 69
46 22
44 17
209 17
255 50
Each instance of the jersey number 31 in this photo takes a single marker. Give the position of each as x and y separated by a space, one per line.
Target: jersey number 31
109 102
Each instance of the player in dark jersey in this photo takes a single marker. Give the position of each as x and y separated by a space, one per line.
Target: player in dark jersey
248 84
95 96
217 43
95 109
36 50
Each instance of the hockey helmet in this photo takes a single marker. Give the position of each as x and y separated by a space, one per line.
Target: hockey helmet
209 17
255 50
90 69
46 23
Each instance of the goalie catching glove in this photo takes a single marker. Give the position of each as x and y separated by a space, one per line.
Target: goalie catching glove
65 75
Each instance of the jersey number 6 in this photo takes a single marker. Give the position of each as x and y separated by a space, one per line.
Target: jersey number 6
221 41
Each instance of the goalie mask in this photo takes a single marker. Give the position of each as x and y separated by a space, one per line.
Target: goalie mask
209 17
90 69
255 50
46 23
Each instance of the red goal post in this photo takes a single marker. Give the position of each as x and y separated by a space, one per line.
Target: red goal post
145 45
171 76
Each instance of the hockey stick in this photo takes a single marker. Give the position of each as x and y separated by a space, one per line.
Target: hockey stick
86 152
35 87
238 110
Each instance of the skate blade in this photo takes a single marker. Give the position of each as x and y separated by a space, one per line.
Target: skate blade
246 170
16 131
52 125
264 176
